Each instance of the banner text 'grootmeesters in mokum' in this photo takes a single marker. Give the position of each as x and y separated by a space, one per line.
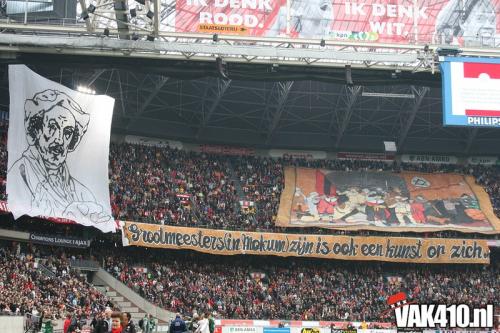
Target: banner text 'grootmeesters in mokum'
223 242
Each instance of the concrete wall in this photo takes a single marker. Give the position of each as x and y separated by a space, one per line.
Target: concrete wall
136 299
14 235
11 324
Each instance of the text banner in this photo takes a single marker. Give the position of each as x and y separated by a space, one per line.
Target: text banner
55 240
398 21
223 242
227 150
365 156
433 159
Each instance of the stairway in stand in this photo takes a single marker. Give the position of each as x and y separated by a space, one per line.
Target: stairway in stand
129 301
124 304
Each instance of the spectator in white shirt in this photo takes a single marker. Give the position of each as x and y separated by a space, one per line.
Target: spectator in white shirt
203 326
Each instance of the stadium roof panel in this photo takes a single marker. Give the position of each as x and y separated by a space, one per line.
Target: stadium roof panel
276 101
311 118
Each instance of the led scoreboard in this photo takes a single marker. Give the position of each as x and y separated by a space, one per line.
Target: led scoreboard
471 92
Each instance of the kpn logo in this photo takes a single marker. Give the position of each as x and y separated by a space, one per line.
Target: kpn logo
411 316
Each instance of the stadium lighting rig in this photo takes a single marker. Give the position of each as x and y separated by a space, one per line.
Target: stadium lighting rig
387 95
86 90
348 75
220 65
137 23
390 147
448 51
128 21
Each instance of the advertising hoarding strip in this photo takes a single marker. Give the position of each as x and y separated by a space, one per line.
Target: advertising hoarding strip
56 240
293 323
370 21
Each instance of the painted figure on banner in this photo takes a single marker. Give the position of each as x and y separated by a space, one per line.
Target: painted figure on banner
54 126
469 23
383 199
308 19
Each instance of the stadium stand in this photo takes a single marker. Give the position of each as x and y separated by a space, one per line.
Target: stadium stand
3 166
295 289
216 230
33 281
169 173
175 187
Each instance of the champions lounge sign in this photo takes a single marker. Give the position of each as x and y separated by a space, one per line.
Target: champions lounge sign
59 240
223 242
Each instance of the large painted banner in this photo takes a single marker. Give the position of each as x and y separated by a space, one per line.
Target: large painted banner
384 201
458 22
224 242
471 92
58 148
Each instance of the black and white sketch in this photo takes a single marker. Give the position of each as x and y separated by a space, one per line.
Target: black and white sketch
41 180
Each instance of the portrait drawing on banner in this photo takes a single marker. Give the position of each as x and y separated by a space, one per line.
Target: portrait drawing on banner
54 126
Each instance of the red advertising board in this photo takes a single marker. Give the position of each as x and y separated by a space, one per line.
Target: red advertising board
365 156
457 22
227 150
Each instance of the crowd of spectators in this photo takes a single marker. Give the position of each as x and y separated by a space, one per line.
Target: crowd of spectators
169 186
33 283
296 288
262 183
177 187
181 188
3 166
164 185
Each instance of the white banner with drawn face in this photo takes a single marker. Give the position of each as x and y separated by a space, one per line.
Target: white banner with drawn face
58 148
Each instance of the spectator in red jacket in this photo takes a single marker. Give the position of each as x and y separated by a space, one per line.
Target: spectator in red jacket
67 322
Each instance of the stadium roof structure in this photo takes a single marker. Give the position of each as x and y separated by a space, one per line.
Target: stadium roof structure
272 92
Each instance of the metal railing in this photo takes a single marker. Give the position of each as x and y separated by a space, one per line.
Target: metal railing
31 323
62 22
45 270
84 265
